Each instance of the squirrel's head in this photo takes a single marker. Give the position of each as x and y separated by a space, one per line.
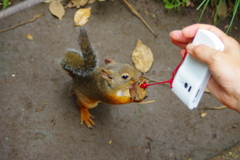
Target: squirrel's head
120 75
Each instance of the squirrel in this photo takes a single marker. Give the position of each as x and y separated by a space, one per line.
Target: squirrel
93 84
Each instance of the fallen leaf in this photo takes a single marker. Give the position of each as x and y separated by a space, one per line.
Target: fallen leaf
79 3
142 57
81 16
91 1
29 36
188 3
40 109
203 114
110 142
213 3
192 5
57 9
222 12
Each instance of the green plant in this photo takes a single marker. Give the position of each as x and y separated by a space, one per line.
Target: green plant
5 4
217 18
174 4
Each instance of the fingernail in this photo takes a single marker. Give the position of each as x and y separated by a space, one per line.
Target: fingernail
189 47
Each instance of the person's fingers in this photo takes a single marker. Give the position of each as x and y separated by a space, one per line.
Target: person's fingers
179 44
203 53
178 39
190 31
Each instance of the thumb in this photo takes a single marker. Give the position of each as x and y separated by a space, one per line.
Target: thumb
203 53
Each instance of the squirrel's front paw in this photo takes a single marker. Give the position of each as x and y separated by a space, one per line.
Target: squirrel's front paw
86 117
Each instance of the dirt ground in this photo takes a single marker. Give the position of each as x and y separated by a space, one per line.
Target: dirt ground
39 121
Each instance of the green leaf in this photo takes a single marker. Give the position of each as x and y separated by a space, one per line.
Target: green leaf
169 6
5 4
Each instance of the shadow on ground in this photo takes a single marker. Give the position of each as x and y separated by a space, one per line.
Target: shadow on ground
39 120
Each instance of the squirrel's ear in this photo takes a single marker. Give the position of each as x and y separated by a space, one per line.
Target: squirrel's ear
106 74
109 60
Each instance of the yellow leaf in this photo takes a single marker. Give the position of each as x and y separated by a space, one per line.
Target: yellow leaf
29 36
81 16
203 114
222 12
91 1
79 3
57 9
142 57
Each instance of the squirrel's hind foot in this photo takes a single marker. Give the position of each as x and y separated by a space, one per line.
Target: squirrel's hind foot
86 117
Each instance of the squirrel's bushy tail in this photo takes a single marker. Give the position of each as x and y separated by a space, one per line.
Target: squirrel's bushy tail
80 62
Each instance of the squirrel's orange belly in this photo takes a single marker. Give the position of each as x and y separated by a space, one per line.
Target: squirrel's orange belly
115 99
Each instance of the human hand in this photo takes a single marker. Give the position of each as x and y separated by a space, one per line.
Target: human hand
224 66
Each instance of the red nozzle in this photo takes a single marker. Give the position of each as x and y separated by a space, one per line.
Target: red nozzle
144 85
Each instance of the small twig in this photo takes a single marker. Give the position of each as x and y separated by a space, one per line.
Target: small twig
152 140
147 102
139 16
150 151
32 20
220 107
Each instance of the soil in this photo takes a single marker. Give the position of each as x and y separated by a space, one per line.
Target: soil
40 121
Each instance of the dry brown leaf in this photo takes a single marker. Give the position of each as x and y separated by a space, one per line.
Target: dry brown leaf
57 9
203 114
79 3
29 36
213 3
91 1
188 3
40 109
142 57
226 26
81 16
222 12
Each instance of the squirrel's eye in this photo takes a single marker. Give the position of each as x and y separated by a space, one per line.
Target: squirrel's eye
125 76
